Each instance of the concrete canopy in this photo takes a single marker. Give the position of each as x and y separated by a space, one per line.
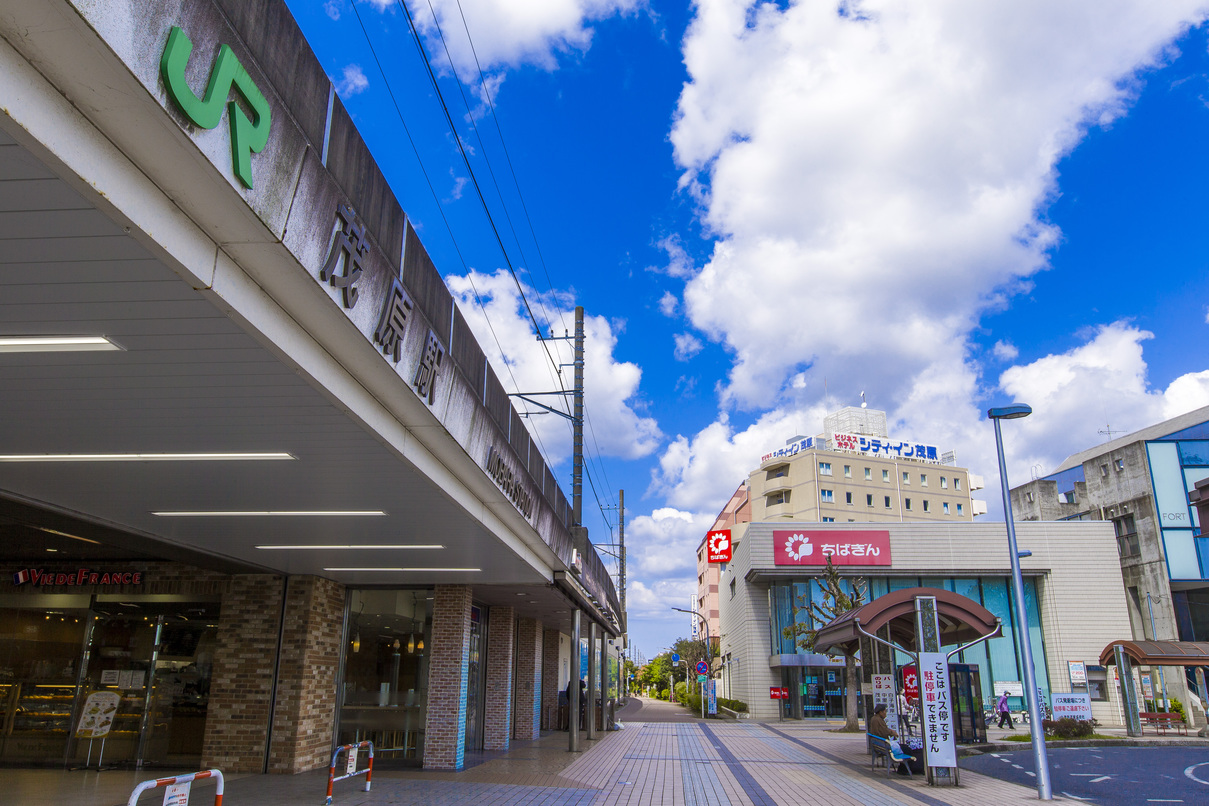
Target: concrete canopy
961 620
1159 653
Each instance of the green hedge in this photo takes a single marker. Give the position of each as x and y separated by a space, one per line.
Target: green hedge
734 705
1068 728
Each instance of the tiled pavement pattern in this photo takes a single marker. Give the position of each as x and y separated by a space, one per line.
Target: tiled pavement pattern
669 763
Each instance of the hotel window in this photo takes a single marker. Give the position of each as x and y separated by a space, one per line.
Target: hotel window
868 474
1119 464
847 471
925 505
848 499
906 477
946 507
828 520
886 475
907 503
923 479
959 509
827 496
887 502
869 500
956 483
824 468
944 483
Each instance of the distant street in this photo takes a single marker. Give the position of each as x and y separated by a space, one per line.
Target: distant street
1109 775
642 709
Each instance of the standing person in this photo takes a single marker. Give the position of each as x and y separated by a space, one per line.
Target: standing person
904 715
1005 713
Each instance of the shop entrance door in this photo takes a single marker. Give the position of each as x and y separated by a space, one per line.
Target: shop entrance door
156 654
476 680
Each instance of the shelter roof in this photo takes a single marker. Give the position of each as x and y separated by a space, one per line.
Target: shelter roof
961 620
1160 653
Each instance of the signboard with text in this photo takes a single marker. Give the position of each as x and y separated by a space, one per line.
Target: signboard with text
96 718
883 694
847 547
778 693
1074 706
789 450
717 546
711 689
910 683
936 705
1078 672
885 448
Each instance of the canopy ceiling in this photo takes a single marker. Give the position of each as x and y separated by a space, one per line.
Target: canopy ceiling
1159 653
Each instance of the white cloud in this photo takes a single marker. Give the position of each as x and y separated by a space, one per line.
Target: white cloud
679 264
668 303
656 600
1097 385
332 8
687 346
665 541
352 82
508 34
611 394
1005 351
887 175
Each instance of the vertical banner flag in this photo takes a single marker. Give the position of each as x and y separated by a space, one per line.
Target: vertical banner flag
936 703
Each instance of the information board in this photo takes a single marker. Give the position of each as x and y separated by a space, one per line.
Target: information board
96 718
936 704
711 689
1074 706
177 794
883 694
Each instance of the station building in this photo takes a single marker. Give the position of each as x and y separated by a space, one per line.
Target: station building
257 477
1144 485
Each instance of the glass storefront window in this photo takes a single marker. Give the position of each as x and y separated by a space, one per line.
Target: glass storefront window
386 673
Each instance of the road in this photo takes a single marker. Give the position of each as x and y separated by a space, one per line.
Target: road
1109 775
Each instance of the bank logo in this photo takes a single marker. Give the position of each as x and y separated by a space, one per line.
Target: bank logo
248 136
719 542
798 546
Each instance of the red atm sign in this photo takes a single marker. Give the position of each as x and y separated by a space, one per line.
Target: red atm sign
778 693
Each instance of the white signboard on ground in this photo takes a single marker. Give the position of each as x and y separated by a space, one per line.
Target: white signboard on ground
1078 672
883 694
936 704
97 716
1075 706
1014 688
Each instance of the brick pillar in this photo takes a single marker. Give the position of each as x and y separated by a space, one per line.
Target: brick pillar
445 726
497 704
549 702
528 680
306 684
241 684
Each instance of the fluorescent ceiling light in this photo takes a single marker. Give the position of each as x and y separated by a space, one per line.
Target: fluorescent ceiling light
54 344
352 546
270 513
409 570
140 457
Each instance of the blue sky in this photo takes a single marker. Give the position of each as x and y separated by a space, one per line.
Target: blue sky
767 209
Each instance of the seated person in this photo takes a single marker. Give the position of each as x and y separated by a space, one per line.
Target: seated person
877 723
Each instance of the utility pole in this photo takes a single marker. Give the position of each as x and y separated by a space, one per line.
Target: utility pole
621 574
577 420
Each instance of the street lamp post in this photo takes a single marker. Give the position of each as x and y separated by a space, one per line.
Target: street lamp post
1044 790
708 650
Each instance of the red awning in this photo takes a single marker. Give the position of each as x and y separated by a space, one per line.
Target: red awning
1159 653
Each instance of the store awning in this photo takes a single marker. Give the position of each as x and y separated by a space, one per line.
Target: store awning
961 620
1159 653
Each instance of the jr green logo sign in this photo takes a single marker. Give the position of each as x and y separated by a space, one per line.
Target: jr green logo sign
248 136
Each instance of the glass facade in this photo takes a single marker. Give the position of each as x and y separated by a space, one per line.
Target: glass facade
155 652
1175 468
385 685
996 660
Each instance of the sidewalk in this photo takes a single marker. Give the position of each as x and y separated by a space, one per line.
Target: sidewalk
650 763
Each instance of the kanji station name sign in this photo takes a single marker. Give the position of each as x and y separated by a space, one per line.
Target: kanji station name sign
815 546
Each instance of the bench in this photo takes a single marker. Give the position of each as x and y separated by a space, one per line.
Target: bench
880 748
1162 721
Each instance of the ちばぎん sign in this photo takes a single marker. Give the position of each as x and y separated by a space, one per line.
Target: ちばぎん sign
718 546
813 547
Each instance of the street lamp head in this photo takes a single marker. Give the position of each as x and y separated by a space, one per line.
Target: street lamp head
1010 412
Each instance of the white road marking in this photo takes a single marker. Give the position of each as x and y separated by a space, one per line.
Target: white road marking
1084 774
1101 778
1017 766
1030 772
1075 797
1162 800
1189 772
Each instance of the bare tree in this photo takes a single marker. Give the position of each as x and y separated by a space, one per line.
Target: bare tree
836 601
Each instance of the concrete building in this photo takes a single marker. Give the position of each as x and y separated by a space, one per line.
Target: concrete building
258 481
1142 484
853 473
736 511
1073 594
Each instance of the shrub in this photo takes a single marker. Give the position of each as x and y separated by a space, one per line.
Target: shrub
1178 707
663 694
734 705
1069 728
681 691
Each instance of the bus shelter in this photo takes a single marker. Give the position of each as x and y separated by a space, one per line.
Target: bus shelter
1128 654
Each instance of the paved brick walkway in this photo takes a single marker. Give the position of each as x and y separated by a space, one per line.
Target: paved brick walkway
668 763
